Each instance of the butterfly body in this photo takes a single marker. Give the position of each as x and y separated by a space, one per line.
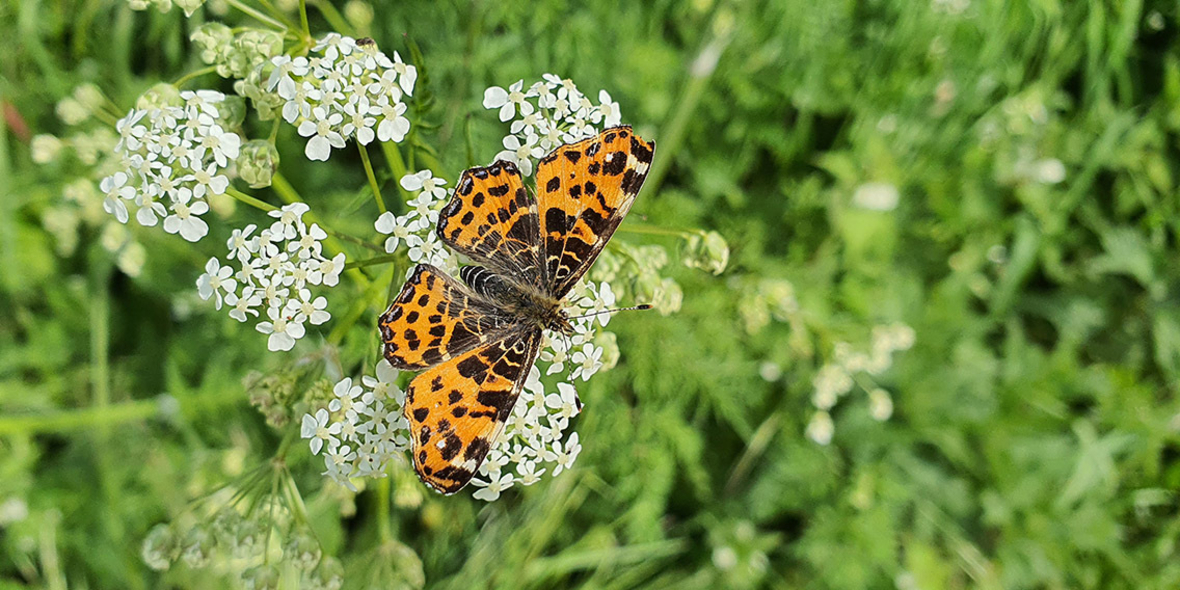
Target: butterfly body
476 338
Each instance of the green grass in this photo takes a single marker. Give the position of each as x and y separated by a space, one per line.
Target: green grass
1035 432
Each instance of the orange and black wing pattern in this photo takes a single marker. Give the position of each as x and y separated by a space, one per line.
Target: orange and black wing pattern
584 190
458 408
436 318
493 221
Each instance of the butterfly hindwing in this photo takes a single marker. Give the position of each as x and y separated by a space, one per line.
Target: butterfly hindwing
458 408
584 190
434 319
493 221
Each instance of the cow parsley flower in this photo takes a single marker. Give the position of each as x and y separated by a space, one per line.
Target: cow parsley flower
171 158
343 90
545 115
363 428
276 268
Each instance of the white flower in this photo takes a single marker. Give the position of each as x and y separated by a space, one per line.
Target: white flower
360 124
565 455
425 181
493 488
528 472
184 220
214 281
611 116
556 355
317 429
520 153
566 403
508 101
398 228
586 362
880 404
313 309
117 191
322 130
240 245
282 330
348 399
820 428
244 304
407 74
393 126
327 272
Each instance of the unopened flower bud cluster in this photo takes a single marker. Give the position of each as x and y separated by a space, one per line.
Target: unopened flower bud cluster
236 55
277 267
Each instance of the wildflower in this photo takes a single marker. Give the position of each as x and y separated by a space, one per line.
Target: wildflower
319 431
876 196
821 428
171 157
341 91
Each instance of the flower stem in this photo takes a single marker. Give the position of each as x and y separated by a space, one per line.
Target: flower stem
277 14
383 528
303 18
194 74
373 261
247 199
372 178
657 231
397 165
334 18
257 15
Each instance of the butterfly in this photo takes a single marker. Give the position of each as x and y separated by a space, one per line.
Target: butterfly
476 338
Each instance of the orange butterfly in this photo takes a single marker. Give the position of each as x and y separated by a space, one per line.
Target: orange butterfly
477 339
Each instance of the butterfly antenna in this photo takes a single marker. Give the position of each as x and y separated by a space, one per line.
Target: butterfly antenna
640 307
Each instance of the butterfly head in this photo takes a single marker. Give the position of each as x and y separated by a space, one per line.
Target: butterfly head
560 322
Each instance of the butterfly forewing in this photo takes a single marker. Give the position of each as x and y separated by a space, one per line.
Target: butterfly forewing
584 190
436 318
493 221
458 408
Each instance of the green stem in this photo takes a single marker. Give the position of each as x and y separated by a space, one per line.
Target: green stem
374 261
303 18
257 15
355 240
334 18
383 501
274 131
658 231
194 74
397 165
80 419
277 14
372 178
247 199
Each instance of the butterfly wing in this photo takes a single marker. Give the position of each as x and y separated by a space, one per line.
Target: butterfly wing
458 408
584 190
493 221
436 318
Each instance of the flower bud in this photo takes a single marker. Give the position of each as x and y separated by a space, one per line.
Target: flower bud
707 252
89 96
668 297
189 6
160 547
198 544
45 148
251 48
159 96
257 161
72 112
268 104
303 551
261 577
231 112
213 40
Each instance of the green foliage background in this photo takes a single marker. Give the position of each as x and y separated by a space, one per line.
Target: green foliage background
1036 432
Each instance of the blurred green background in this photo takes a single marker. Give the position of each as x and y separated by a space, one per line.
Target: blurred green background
999 176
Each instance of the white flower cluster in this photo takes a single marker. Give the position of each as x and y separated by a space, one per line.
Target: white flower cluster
276 268
172 158
837 378
551 112
415 229
344 89
362 428
535 440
